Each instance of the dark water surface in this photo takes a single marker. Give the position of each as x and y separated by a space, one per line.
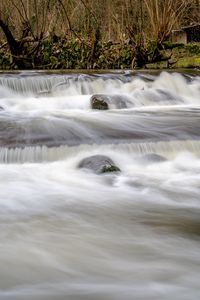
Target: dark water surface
67 233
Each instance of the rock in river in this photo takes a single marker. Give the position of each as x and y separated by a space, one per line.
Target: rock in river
152 158
103 102
99 164
99 102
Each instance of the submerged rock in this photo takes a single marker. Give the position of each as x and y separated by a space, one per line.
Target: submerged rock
103 102
152 158
99 164
43 93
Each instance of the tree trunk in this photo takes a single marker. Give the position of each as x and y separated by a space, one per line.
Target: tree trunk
17 49
15 46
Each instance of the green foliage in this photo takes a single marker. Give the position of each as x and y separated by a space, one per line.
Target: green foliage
193 48
6 61
170 45
79 54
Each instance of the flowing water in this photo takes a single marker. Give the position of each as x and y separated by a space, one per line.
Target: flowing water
68 233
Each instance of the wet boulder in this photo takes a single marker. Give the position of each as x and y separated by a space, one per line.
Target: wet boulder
103 102
99 164
99 102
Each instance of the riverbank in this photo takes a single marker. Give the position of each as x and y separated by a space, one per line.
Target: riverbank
177 56
75 54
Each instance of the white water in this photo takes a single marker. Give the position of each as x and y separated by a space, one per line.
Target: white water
67 233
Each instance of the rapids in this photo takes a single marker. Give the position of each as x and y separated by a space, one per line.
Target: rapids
68 233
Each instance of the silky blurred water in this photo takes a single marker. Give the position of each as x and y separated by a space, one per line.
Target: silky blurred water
68 233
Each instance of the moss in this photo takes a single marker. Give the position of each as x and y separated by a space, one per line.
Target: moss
193 48
108 169
187 62
170 45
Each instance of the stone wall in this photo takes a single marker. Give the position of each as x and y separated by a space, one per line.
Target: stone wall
179 36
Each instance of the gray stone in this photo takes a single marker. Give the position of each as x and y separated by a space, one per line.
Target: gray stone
99 164
152 158
179 36
103 102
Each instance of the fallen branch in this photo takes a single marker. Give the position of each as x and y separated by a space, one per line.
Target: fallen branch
4 44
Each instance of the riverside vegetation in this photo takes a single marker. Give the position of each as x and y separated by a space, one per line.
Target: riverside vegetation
80 34
73 54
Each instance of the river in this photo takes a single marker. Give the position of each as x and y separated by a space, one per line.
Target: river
72 234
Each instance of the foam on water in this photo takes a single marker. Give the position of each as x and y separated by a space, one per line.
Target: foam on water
70 233
67 233
30 92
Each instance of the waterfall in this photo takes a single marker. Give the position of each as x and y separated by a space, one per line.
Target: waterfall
46 154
